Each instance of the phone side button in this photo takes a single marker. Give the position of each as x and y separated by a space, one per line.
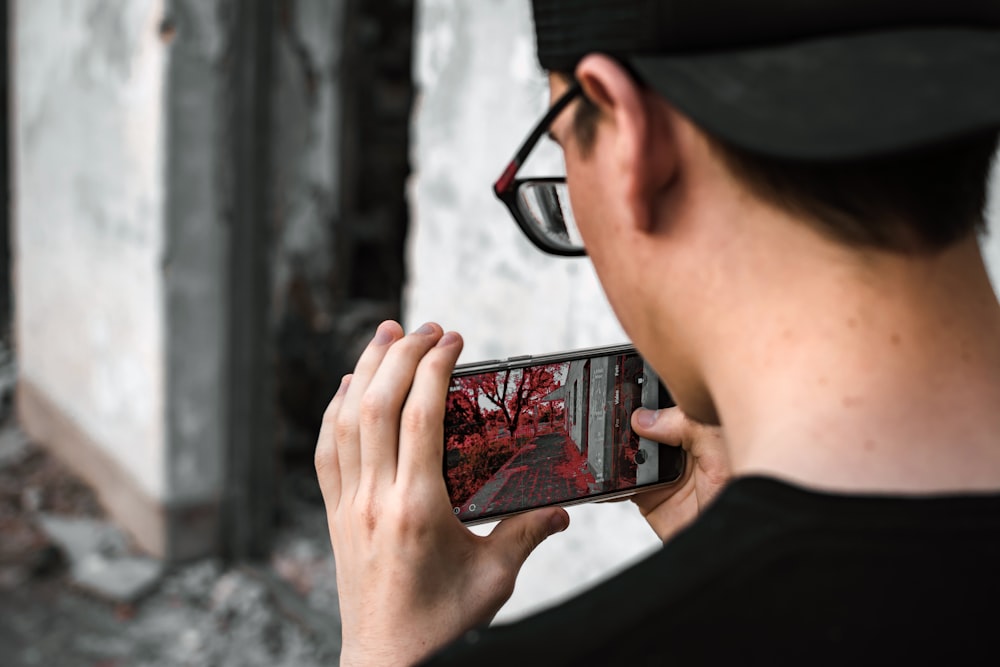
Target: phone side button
521 357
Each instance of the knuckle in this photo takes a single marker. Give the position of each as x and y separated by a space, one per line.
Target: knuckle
411 509
437 363
417 418
370 410
403 525
345 426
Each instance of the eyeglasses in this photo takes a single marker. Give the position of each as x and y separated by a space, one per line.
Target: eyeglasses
540 206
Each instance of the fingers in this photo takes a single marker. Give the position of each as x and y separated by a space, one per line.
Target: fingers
515 538
346 431
382 404
327 466
668 426
422 430
400 384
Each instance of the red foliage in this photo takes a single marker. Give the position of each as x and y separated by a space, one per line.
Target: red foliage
485 422
574 467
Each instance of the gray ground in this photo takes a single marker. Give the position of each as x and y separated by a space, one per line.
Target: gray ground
56 550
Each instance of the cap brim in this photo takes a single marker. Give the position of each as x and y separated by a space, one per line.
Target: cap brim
847 97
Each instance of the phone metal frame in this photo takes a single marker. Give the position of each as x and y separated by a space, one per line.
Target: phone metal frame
499 365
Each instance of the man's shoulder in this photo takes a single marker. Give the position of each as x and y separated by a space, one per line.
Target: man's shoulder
768 566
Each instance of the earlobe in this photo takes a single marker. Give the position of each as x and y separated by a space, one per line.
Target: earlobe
641 149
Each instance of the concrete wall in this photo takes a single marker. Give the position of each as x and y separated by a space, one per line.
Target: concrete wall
472 270
88 130
142 200
575 410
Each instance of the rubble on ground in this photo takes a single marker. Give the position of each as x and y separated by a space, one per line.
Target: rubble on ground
75 591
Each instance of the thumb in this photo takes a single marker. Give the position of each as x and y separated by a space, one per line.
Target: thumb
666 426
515 538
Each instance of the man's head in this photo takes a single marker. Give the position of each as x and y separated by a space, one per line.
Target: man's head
868 126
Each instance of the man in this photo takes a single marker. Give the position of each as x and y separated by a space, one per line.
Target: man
781 201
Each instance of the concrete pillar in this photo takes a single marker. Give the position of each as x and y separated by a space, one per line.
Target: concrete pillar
120 257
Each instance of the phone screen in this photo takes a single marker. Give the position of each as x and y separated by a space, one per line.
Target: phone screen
550 432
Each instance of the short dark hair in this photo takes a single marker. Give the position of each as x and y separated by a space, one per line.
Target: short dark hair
920 200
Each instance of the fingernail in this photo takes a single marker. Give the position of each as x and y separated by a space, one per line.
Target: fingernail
424 330
344 381
559 522
646 418
383 335
448 339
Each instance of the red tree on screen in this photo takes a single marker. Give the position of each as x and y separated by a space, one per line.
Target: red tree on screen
513 391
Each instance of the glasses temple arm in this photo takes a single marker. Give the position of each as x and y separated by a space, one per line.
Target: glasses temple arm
507 178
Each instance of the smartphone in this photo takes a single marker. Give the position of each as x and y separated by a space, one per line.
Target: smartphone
530 432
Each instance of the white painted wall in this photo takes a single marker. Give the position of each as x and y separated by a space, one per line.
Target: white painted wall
473 271
481 91
87 137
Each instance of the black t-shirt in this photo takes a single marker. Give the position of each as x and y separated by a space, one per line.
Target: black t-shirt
772 573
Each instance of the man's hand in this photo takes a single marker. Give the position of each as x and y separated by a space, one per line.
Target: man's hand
410 576
670 509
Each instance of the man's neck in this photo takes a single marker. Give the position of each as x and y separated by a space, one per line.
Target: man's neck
883 377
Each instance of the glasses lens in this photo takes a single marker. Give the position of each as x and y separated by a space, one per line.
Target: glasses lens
546 205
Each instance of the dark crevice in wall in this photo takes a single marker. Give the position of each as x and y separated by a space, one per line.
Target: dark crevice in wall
251 481
329 297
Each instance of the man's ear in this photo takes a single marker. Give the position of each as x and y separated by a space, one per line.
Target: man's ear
644 155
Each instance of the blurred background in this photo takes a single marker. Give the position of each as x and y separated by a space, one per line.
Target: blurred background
210 205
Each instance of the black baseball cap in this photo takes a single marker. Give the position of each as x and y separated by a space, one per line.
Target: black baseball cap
798 79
